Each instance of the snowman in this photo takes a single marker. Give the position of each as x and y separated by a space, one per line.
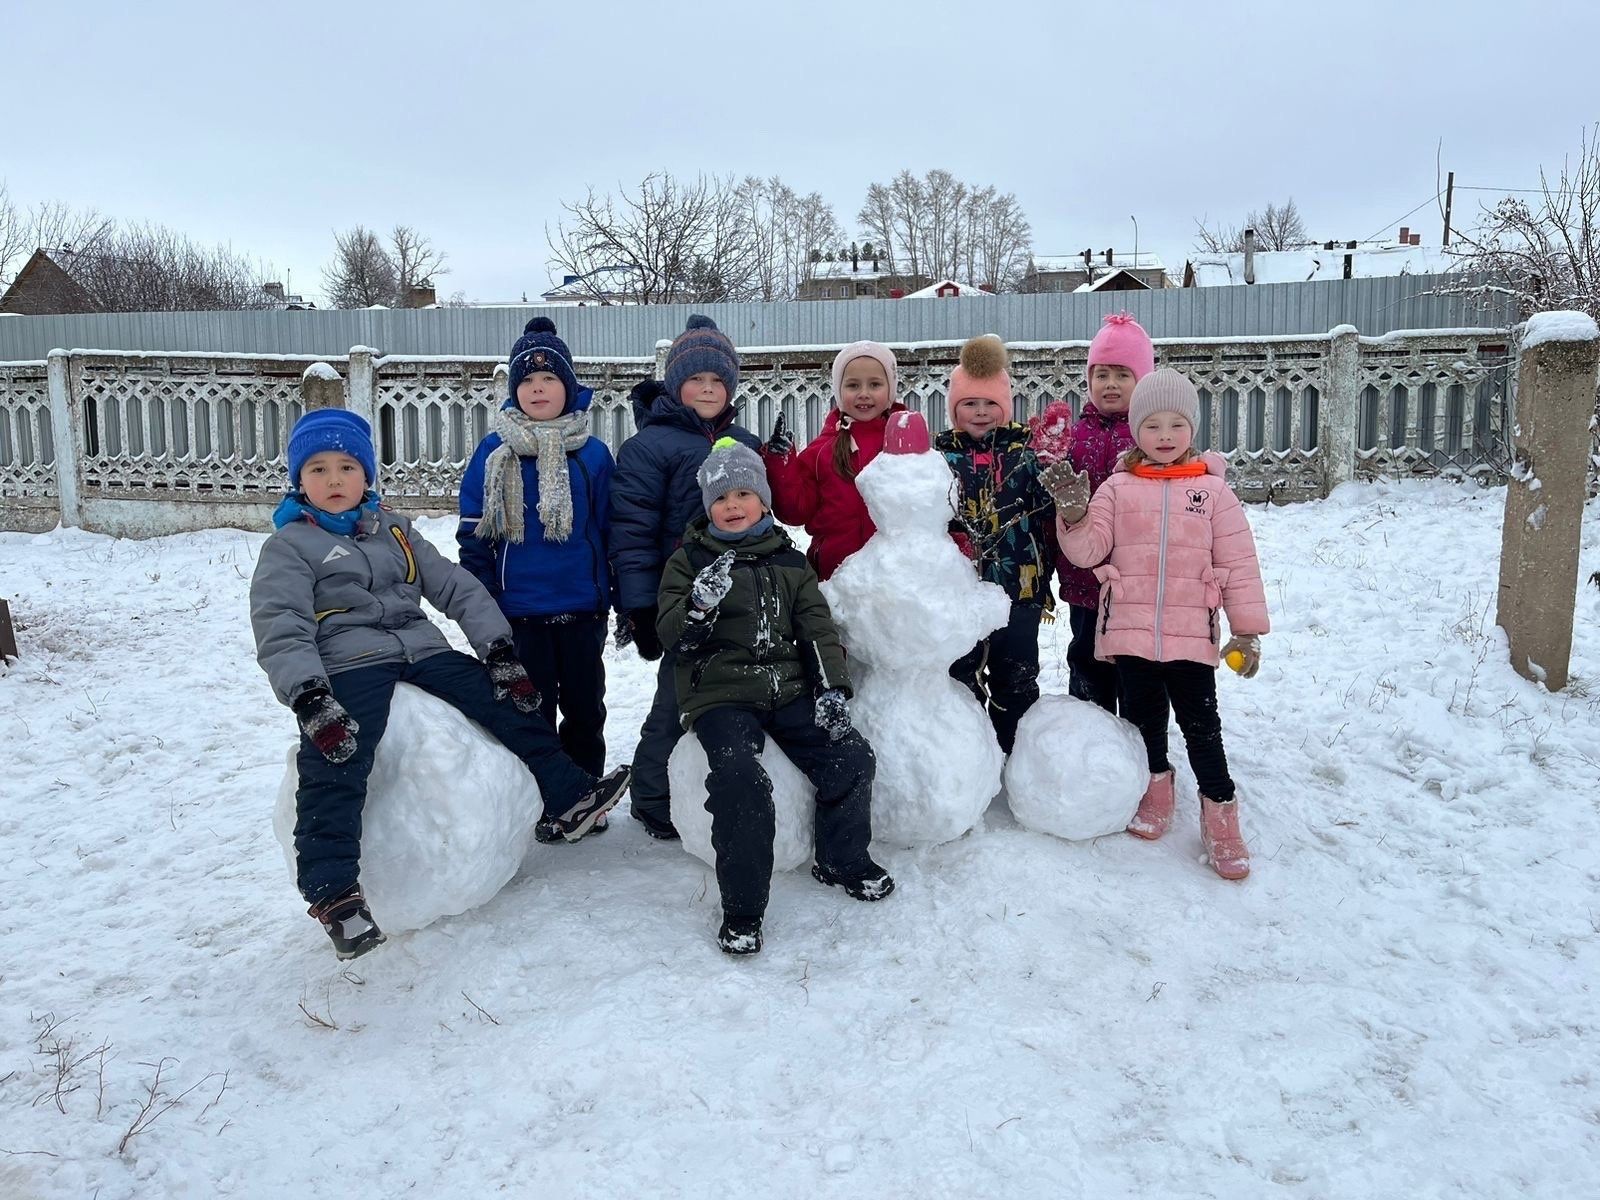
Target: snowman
909 604
448 817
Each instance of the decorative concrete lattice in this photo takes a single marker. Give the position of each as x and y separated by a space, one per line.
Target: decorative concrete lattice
187 424
1434 405
27 442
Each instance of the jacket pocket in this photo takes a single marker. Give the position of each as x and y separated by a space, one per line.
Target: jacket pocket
1216 578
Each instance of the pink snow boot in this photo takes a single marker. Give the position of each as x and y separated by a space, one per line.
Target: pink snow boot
1219 830
1155 809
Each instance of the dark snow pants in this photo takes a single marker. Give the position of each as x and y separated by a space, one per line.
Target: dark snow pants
1087 677
1190 689
739 796
564 657
1006 682
328 804
649 789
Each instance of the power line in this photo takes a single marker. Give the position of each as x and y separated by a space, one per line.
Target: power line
1403 216
1462 187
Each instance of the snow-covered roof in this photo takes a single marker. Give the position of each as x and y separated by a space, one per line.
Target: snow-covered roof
1296 266
1106 279
931 292
602 280
1143 261
842 270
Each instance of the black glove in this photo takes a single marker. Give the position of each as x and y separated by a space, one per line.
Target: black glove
510 679
641 624
781 441
646 392
325 722
832 714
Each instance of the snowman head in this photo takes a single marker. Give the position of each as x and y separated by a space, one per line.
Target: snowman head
908 488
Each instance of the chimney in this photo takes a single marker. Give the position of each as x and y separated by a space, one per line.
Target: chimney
419 295
1110 254
275 290
1405 235
1249 255
1416 239
855 258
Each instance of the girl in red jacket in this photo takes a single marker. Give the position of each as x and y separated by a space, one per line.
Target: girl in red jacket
816 487
1180 555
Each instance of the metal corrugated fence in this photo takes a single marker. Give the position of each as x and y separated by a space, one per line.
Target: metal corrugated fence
1374 306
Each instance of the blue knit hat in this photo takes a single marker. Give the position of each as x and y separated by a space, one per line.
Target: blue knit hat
331 429
539 349
702 347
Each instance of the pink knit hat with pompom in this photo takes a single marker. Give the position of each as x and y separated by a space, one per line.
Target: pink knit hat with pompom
1122 342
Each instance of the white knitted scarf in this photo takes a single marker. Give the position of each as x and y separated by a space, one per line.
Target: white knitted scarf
547 443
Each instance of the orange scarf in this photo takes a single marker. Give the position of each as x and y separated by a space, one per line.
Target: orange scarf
1188 470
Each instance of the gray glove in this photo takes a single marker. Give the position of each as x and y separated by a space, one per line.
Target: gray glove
1248 646
713 583
1068 488
833 714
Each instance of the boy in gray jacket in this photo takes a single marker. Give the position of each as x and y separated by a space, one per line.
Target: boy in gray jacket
335 605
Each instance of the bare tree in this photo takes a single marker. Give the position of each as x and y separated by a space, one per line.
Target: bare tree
939 226
52 225
362 273
787 233
1545 251
416 262
150 268
1278 227
669 239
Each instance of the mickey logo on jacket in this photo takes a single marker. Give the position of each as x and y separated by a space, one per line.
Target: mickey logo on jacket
1197 502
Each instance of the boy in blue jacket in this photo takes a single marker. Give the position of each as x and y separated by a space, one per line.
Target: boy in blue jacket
654 497
535 511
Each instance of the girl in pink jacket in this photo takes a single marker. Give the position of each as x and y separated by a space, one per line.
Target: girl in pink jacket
1181 554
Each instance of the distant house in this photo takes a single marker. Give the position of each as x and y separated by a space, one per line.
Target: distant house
603 285
51 284
1075 272
861 278
1332 260
942 289
1120 280
46 287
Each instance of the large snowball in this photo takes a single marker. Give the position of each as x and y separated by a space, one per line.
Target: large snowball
448 818
793 798
1076 771
938 760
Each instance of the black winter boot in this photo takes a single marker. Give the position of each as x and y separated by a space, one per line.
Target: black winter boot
869 882
348 922
661 828
740 935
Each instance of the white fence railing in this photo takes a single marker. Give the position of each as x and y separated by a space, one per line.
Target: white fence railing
151 443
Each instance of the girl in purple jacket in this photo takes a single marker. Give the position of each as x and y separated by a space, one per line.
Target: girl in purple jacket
1119 357
1173 554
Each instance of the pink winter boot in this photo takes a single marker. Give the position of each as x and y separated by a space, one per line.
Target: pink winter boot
1155 809
1219 830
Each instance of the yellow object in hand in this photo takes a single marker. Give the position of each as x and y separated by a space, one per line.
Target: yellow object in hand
1235 660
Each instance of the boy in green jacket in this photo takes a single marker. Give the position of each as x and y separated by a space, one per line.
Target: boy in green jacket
759 656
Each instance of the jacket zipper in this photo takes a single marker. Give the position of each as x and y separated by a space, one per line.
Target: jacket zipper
588 490
1161 563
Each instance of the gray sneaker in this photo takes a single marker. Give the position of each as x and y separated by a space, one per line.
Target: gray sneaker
592 805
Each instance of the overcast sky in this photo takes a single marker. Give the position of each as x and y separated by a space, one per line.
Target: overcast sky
271 126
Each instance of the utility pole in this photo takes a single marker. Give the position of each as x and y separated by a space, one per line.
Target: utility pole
1449 195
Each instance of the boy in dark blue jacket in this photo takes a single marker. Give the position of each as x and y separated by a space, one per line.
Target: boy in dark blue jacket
535 510
654 497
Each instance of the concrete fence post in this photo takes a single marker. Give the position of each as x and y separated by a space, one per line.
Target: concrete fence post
1557 365
321 387
361 397
1340 408
64 435
662 347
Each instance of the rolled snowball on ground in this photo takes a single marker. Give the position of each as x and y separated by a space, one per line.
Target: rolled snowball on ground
1076 771
794 802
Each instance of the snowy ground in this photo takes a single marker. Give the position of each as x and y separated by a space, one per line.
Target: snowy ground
1397 1003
